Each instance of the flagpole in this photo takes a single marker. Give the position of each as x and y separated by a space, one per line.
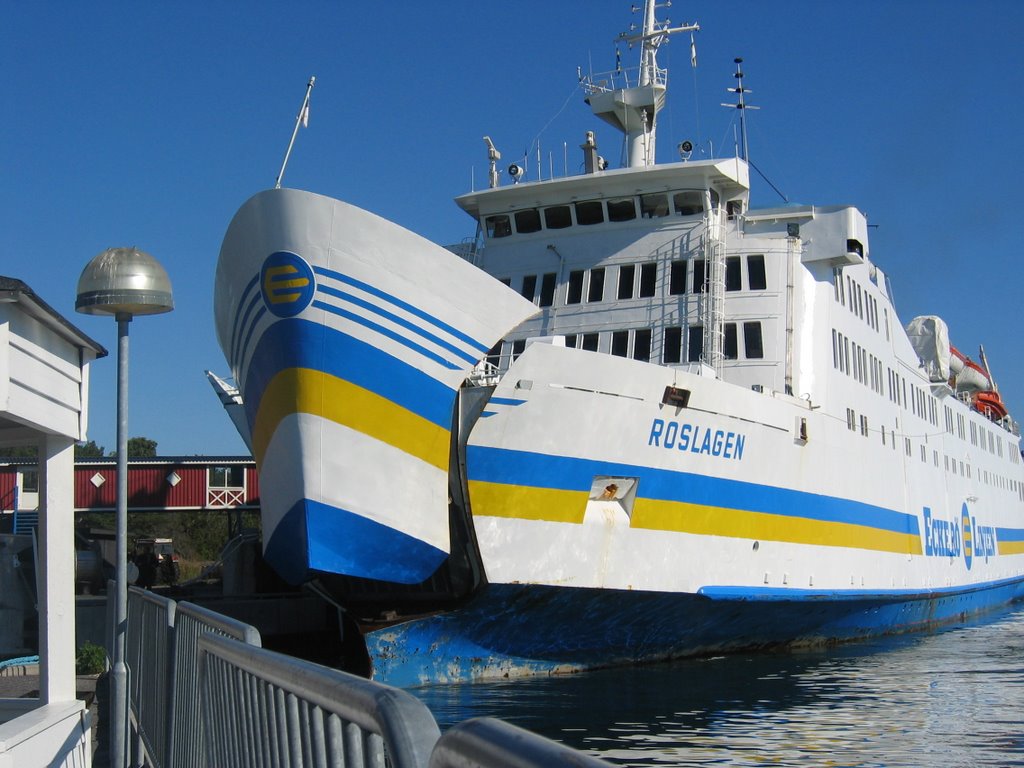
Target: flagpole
301 119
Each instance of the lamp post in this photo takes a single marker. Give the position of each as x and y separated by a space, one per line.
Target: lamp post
122 282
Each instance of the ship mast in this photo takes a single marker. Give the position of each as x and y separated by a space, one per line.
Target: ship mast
633 108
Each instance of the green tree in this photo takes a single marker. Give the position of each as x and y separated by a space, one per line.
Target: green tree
139 448
19 452
89 450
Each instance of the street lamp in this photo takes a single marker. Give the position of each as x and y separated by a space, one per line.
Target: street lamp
122 282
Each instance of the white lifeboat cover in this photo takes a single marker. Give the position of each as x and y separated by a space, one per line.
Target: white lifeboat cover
929 336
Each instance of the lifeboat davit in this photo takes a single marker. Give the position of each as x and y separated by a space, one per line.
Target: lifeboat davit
971 378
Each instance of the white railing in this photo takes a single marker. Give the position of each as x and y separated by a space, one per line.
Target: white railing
225 497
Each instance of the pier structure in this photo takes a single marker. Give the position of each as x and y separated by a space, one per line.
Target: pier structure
44 395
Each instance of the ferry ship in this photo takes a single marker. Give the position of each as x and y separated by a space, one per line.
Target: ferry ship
637 420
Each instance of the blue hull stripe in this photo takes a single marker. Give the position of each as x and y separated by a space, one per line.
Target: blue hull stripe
402 305
318 537
245 307
305 344
370 307
393 335
536 470
1010 534
510 630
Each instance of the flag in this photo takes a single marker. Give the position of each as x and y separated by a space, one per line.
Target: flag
305 115
693 52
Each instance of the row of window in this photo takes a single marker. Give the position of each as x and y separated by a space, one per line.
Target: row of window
636 343
584 213
852 359
984 438
951 464
753 342
641 280
849 293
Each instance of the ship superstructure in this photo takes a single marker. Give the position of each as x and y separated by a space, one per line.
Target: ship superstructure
642 420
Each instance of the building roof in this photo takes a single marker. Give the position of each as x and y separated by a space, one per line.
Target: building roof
14 290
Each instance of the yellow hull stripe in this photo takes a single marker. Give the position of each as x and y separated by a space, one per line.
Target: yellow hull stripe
738 523
304 390
1011 547
525 503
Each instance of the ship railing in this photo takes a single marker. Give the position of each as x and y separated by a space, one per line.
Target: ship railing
618 79
484 374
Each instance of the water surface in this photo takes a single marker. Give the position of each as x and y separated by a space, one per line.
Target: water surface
951 698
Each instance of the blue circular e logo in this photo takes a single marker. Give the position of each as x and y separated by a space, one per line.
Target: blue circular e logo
965 522
287 284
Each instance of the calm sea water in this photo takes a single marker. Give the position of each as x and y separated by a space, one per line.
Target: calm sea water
951 698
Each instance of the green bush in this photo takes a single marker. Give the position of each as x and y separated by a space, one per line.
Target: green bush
91 659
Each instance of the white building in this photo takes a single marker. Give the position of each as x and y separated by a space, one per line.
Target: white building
44 394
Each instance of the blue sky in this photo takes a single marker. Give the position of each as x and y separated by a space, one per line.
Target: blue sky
149 124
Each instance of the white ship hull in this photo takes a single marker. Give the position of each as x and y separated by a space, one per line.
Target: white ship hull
777 463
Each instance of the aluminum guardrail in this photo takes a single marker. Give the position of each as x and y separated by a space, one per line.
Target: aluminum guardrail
186 730
149 648
274 710
486 742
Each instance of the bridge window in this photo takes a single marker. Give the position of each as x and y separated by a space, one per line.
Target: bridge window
498 226
589 212
557 217
527 221
590 341
622 209
689 202
654 206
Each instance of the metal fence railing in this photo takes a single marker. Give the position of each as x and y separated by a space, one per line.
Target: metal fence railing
149 648
204 694
275 710
186 731
487 742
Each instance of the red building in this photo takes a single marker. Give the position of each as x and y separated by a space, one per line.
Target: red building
159 484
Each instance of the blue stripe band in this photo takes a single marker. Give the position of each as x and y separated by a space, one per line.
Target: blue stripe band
496 465
397 320
393 335
402 305
298 343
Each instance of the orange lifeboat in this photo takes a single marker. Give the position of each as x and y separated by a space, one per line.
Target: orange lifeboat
971 378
